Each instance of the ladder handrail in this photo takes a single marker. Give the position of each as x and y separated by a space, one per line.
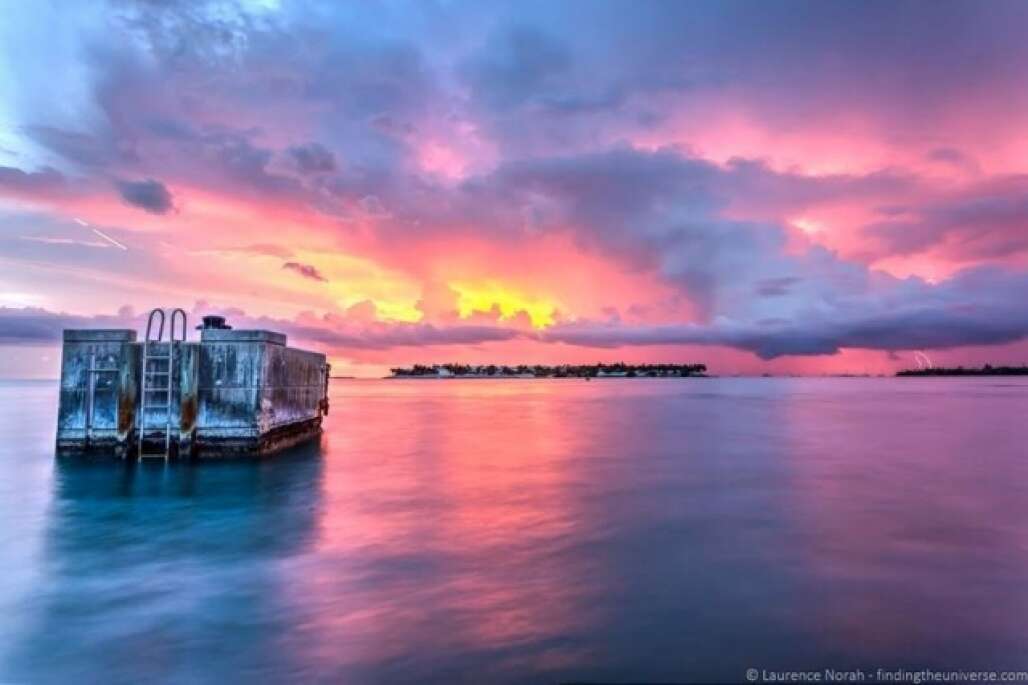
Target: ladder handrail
174 316
149 325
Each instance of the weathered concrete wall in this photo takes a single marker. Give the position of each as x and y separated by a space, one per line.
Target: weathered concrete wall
228 391
233 392
256 394
97 390
294 383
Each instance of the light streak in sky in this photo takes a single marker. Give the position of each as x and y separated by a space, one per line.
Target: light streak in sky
100 233
109 239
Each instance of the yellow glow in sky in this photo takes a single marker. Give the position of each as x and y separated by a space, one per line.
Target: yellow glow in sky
481 297
353 279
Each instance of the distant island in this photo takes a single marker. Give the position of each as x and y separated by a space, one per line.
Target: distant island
619 370
987 370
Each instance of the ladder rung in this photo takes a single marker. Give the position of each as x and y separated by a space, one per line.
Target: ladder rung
158 361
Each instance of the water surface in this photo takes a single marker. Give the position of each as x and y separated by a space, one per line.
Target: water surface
534 531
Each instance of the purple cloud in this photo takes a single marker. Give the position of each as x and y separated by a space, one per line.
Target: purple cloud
977 307
305 270
555 126
18 182
313 158
36 325
985 221
151 196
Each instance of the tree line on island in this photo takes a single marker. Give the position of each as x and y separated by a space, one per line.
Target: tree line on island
619 369
987 370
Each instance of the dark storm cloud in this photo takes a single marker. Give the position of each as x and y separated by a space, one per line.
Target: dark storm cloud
150 195
977 307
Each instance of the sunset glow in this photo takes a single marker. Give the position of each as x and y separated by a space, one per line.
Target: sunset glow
762 187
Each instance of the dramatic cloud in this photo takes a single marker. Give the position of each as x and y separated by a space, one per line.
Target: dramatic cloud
980 307
977 307
986 221
36 325
148 195
765 180
15 182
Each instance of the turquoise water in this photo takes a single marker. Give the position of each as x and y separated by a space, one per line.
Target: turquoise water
534 531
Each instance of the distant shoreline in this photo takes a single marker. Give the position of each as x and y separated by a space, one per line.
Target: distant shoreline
987 370
545 377
617 370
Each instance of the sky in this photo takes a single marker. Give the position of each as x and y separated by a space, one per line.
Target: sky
765 187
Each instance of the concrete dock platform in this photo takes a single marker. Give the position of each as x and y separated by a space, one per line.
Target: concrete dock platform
233 392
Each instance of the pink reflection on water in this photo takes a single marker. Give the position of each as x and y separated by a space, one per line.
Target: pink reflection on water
447 538
906 519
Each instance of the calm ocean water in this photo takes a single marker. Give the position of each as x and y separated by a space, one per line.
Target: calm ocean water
534 531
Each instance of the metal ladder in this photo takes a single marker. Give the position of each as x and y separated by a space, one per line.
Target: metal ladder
155 395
